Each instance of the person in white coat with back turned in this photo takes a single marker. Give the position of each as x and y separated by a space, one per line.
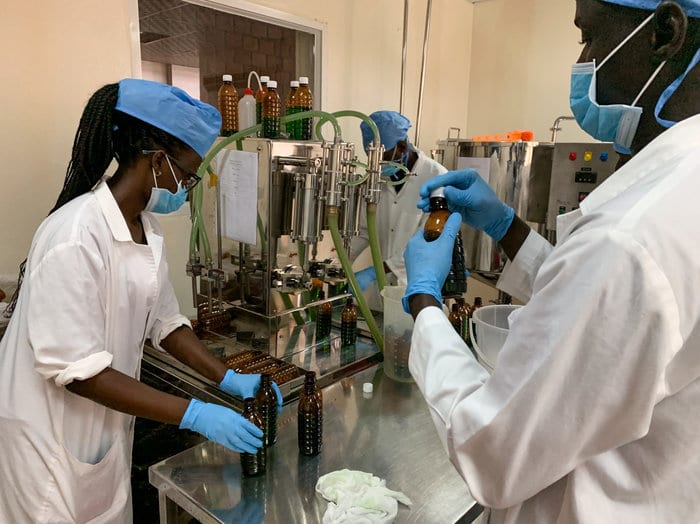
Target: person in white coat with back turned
95 287
590 414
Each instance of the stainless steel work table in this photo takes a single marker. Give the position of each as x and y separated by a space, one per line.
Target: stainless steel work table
389 434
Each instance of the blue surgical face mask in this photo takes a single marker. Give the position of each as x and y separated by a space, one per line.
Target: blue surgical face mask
163 201
615 123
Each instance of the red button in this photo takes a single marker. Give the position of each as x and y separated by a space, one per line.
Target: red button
572 156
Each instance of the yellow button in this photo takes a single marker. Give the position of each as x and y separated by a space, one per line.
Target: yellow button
587 156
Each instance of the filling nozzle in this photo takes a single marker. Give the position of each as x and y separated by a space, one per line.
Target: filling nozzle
194 270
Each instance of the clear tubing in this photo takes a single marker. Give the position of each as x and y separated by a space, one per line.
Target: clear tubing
374 245
360 181
345 262
254 73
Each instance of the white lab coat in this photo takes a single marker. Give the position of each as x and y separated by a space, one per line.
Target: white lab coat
398 219
591 412
90 298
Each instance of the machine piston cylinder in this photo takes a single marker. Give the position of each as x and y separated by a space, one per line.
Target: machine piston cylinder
373 187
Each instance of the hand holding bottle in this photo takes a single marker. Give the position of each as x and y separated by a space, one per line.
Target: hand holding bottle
469 195
429 263
246 385
223 426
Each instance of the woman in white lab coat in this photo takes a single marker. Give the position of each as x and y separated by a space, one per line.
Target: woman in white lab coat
591 412
95 287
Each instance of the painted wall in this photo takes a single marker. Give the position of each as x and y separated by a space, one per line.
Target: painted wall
521 59
54 55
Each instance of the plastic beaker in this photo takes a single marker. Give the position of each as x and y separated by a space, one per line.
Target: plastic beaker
488 331
398 328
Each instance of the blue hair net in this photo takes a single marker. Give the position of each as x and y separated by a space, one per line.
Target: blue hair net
692 7
393 127
172 110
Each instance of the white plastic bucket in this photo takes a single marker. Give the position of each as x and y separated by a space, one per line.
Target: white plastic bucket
490 325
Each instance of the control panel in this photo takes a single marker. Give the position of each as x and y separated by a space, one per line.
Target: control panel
577 169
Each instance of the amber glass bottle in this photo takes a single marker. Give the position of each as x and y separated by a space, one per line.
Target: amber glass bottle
266 406
291 106
478 302
456 281
306 103
259 96
324 318
464 314
228 106
310 417
253 464
348 323
455 318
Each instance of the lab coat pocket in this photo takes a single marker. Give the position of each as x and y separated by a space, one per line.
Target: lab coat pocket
95 492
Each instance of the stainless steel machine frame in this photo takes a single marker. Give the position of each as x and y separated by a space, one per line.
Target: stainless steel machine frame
296 181
540 180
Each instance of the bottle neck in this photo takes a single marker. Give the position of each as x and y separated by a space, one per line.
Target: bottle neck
438 203
249 406
264 380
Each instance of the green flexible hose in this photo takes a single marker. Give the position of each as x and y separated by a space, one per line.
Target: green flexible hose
355 114
374 245
377 260
287 301
322 116
345 262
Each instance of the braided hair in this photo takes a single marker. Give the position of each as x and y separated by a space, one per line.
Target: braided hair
103 134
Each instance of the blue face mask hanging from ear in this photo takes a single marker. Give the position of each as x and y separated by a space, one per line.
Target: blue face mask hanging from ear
162 201
615 123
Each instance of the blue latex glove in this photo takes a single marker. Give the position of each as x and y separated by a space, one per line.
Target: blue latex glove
248 511
365 277
223 426
469 195
245 385
428 263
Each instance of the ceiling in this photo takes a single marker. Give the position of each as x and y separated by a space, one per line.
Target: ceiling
173 31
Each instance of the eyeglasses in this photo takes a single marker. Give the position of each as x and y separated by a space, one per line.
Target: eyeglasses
190 179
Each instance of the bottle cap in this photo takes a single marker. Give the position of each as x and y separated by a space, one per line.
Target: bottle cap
304 80
272 84
248 91
437 192
293 83
227 78
264 79
367 387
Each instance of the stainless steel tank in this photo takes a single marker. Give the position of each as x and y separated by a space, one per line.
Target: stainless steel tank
507 167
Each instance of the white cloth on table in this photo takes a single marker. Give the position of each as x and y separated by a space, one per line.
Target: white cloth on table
358 497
